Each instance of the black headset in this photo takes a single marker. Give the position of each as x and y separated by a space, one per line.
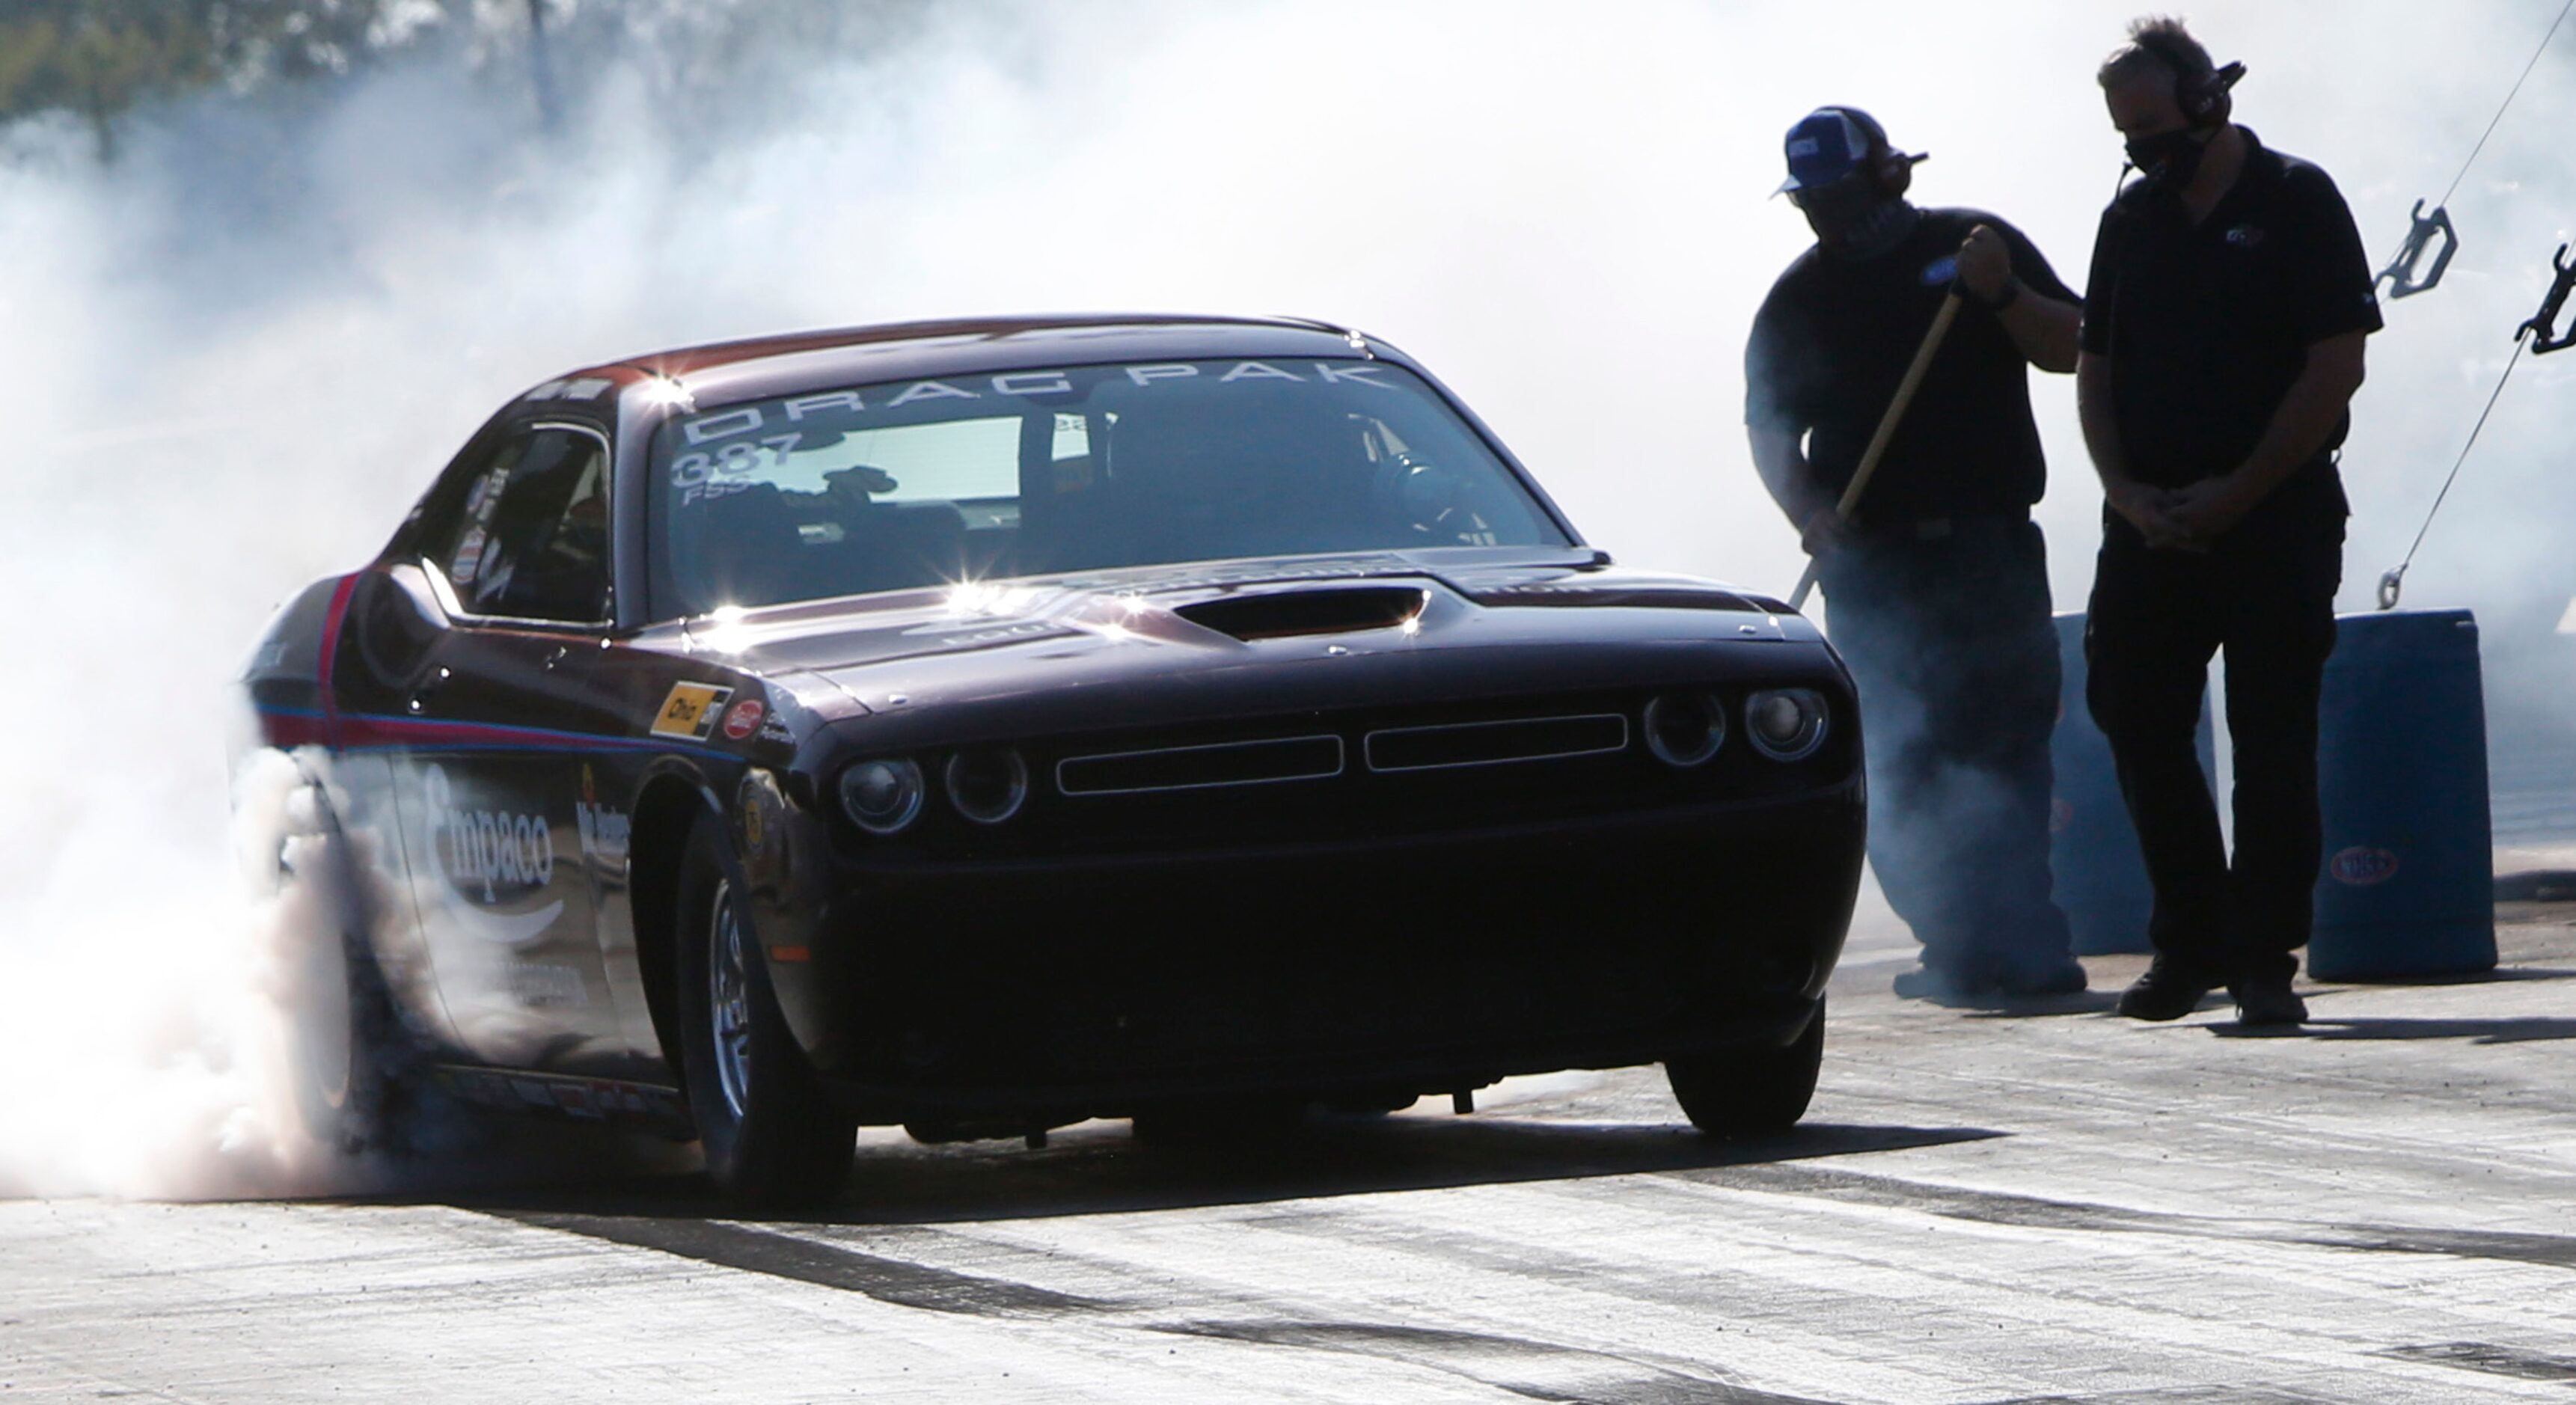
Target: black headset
2199 90
1891 170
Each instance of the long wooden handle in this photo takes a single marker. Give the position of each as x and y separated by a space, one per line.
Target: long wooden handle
1886 430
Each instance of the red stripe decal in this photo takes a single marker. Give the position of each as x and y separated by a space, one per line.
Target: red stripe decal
332 619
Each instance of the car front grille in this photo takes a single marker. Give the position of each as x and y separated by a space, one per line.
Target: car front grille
1342 776
1209 767
1451 745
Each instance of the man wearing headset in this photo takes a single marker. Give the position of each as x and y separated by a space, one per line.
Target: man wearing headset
2222 342
1938 583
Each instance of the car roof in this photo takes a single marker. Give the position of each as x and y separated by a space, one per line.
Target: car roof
757 368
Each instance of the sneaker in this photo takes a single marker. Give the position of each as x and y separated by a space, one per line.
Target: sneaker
2268 1001
2169 990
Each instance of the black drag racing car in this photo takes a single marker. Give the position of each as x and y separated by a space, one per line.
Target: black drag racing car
983 726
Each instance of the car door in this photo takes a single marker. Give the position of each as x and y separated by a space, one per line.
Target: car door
498 731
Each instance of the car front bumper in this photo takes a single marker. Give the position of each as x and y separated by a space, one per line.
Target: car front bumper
1045 990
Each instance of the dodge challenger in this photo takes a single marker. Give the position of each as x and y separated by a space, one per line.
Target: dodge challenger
983 726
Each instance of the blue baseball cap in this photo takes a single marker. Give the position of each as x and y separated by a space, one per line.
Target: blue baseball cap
1829 144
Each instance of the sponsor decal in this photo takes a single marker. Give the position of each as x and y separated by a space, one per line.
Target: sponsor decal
774 728
2361 866
603 828
539 987
691 710
739 420
744 719
755 830
488 857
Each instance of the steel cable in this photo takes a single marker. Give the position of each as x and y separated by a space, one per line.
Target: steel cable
2393 583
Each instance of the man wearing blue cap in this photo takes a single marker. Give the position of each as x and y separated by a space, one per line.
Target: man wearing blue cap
1938 580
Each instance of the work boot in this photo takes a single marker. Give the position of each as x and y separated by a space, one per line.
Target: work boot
2065 976
2267 1000
1940 984
2170 989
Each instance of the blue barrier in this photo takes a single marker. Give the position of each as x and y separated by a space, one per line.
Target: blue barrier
2101 880
2407 887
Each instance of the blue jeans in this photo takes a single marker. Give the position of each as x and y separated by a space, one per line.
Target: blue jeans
1950 638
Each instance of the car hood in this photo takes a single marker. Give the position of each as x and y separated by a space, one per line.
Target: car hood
910 649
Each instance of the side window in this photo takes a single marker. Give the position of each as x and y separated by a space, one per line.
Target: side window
531 538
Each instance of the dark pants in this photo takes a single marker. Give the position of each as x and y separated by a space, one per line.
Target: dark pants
2265 594
1951 642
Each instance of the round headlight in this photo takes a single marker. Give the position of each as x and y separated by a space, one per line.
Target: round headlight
1785 724
988 787
1684 729
882 796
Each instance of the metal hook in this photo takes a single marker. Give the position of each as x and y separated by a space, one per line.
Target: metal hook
2391 583
2543 339
2405 275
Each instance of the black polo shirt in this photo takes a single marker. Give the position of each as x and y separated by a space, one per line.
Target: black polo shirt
1834 338
2207 325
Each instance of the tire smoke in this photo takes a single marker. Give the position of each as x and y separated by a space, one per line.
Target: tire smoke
238 351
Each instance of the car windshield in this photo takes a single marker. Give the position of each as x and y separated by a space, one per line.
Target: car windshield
976 477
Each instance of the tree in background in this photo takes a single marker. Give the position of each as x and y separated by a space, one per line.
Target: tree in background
101 59
104 61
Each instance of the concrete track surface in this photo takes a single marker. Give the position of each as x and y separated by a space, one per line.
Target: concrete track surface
2048 1204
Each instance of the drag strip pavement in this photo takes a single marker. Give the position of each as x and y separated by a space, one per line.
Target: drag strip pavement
2049 1204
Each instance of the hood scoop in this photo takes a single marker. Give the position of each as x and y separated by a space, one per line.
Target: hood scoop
1288 613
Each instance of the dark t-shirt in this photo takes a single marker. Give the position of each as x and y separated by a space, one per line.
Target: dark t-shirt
2208 325
1833 340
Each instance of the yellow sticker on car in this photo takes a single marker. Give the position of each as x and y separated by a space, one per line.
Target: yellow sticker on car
690 711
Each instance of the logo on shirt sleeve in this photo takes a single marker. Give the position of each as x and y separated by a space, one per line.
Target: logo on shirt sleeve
2244 236
1940 271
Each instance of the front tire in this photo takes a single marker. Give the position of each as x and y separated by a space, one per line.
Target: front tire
1750 1090
771 1137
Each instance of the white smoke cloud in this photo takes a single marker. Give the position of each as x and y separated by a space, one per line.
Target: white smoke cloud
239 352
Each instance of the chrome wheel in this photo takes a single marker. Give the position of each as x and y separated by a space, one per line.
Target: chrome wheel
729 1001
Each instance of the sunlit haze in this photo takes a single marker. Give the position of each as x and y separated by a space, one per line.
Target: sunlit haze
241 348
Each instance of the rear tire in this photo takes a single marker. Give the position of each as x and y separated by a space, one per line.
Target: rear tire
354 1072
771 1137
349 1064
1750 1090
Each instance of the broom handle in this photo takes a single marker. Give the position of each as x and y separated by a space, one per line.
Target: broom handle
1886 430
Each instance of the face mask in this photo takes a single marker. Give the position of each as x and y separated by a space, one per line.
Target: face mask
2171 158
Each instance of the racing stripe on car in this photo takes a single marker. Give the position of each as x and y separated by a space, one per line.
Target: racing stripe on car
332 618
370 732
366 730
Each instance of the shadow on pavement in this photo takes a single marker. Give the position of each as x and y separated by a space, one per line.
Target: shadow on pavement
1098 1168
2086 1002
2489 977
2509 1030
